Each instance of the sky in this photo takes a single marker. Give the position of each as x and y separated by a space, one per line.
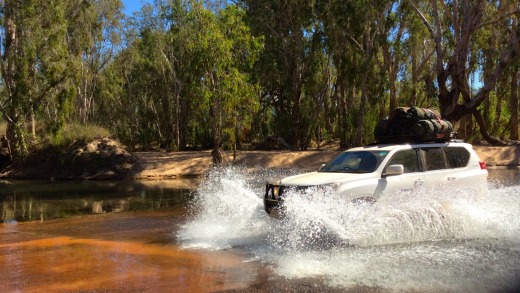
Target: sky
132 6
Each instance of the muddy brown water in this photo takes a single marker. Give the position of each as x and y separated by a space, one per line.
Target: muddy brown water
124 237
114 237
132 251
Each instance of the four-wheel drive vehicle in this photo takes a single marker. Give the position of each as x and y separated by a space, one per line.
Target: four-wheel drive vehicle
367 173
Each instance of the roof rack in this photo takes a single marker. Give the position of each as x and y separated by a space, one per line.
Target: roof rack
406 139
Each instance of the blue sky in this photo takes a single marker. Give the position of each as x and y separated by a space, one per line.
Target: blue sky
134 5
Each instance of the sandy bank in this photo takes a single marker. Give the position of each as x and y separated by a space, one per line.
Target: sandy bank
162 165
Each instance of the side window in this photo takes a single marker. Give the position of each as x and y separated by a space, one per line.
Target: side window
407 158
433 159
458 157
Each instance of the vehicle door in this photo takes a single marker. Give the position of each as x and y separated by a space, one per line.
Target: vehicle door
412 179
443 171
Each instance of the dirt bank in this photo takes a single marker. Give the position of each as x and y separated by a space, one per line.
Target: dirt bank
161 165
100 159
107 159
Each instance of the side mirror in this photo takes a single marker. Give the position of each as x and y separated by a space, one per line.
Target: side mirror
394 170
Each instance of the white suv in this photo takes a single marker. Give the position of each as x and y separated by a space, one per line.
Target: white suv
367 173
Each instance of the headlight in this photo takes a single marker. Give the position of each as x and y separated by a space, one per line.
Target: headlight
332 186
276 189
273 190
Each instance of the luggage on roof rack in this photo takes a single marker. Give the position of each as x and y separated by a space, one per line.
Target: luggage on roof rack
413 124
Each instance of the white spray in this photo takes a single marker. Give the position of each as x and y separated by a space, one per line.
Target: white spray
433 241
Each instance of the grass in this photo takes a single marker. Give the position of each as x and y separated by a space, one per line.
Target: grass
75 132
3 127
71 133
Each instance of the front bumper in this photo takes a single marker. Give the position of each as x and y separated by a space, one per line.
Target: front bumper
273 202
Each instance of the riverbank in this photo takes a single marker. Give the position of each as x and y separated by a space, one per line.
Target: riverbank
107 159
163 165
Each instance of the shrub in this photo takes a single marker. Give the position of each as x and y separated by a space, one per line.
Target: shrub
78 132
3 128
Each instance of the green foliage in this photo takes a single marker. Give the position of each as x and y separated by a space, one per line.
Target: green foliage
46 48
73 132
187 83
186 74
3 127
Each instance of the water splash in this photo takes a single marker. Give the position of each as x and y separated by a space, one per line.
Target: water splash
224 213
430 241
313 216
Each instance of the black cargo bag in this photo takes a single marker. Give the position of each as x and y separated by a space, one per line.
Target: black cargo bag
413 124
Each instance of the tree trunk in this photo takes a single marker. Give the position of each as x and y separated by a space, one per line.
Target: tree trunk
515 77
218 160
182 124
484 131
14 135
451 64
328 114
296 129
217 157
342 117
177 123
415 78
498 107
361 113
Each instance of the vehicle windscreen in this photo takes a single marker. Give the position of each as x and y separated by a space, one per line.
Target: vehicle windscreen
355 162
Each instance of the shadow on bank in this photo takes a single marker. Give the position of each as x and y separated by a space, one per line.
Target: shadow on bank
101 159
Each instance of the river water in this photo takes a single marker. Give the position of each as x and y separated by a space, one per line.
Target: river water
214 235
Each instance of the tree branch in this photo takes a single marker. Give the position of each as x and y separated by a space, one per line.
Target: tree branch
423 18
484 132
360 47
498 20
505 59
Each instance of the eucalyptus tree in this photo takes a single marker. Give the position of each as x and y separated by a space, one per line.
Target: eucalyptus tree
134 93
93 37
453 26
500 110
406 59
51 53
37 69
240 91
417 79
514 104
290 66
185 76
355 32
221 53
392 51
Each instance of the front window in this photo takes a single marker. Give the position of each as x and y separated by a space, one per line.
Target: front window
356 162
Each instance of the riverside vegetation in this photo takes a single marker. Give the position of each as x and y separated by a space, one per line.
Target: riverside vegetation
189 74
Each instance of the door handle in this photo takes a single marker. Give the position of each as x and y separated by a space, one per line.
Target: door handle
419 182
452 178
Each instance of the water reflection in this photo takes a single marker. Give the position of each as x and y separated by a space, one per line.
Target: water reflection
504 177
43 200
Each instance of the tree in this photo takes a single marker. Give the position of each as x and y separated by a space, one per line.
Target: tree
186 76
93 35
292 60
36 67
514 105
222 51
354 33
453 27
